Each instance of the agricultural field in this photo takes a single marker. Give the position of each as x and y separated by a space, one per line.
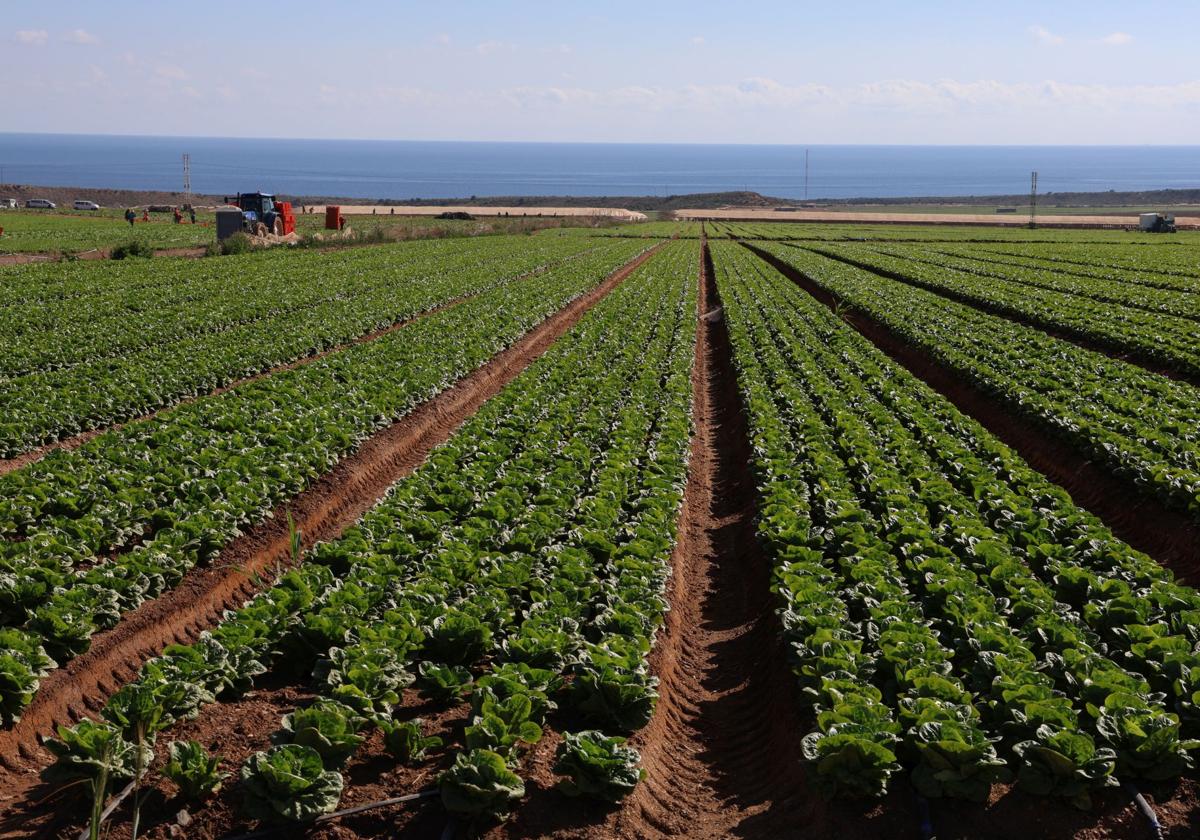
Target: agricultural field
671 529
41 231
94 235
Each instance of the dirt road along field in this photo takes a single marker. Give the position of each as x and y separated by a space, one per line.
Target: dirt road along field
769 214
401 210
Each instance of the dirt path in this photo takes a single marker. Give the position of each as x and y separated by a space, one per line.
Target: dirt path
1169 536
322 512
721 754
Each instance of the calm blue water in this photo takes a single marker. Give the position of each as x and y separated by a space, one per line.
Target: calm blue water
402 169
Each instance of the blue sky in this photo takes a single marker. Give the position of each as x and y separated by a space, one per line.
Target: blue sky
765 72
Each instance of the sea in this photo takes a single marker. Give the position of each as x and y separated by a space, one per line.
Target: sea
387 169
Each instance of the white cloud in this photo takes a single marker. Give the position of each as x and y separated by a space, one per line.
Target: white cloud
33 37
443 40
897 96
1045 36
1116 39
80 36
491 47
698 40
171 73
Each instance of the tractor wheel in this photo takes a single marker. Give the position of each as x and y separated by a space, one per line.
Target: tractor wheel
278 231
260 229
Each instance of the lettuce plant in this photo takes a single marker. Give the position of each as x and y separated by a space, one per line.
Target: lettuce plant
403 739
597 765
327 726
479 785
193 770
289 782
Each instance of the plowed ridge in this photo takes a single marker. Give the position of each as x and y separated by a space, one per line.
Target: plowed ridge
1133 515
321 513
8 465
721 752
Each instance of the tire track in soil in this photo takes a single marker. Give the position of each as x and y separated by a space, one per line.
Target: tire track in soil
1169 536
16 462
322 512
722 752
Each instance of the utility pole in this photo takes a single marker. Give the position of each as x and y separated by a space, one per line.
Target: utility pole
806 174
1033 200
187 178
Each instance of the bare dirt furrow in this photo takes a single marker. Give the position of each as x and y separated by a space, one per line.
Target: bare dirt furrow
1169 536
722 752
322 512
8 465
1114 351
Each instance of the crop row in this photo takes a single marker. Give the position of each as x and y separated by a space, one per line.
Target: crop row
199 297
1160 301
1141 426
1102 269
948 610
1173 265
1161 338
92 533
525 563
372 288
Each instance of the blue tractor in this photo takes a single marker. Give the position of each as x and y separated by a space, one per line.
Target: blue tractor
259 213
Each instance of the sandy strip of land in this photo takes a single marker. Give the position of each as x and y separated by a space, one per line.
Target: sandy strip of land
828 216
402 210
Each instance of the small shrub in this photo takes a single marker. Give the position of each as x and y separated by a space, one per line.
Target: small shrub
239 243
133 248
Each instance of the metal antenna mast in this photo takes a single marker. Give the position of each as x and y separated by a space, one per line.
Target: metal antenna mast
1033 200
806 174
187 178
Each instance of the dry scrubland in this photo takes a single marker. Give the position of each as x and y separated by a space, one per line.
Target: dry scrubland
665 529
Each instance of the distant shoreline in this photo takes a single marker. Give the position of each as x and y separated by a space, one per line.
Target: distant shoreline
1125 201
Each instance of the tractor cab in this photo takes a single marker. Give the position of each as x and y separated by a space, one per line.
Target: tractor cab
261 214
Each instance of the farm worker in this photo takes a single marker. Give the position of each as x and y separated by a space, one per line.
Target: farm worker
178 216
130 216
146 215
192 212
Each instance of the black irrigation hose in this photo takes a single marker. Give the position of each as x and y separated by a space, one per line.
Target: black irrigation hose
926 826
345 812
1145 807
451 828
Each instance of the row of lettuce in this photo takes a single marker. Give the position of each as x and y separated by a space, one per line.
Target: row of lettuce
92 360
1160 268
1141 426
950 612
91 534
111 310
1172 265
1155 326
523 567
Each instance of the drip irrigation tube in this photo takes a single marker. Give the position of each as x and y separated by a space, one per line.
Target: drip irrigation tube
110 808
1145 807
926 824
345 812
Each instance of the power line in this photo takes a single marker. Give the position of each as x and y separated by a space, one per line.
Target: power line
1033 199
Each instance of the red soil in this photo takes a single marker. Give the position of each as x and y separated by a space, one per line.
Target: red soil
1169 536
322 512
8 465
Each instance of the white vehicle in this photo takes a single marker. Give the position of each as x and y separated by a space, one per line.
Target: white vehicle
40 204
80 204
8 203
